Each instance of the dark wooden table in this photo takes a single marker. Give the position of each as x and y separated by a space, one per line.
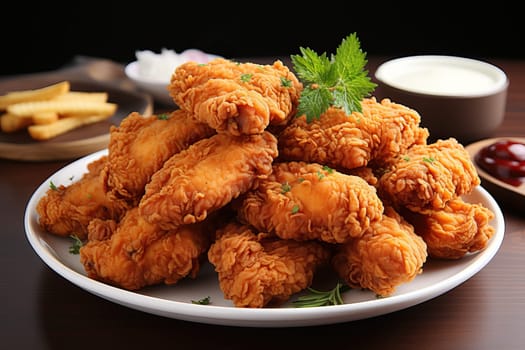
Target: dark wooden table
41 310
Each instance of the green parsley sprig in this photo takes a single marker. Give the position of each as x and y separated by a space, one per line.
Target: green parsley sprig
339 81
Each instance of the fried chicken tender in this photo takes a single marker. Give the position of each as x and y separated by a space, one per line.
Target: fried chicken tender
257 269
207 176
67 209
457 229
386 256
306 201
238 98
376 135
428 176
136 253
399 129
335 139
140 145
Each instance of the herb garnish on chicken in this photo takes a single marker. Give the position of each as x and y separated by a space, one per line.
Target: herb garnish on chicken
340 81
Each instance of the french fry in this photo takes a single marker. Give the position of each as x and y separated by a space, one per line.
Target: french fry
61 126
11 123
63 108
53 110
44 93
83 96
44 117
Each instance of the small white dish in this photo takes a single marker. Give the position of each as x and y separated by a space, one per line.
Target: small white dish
152 72
157 90
438 277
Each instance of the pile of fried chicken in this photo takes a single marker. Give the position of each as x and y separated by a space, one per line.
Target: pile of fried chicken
236 178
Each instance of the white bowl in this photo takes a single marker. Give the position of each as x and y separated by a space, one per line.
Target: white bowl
152 72
157 89
456 96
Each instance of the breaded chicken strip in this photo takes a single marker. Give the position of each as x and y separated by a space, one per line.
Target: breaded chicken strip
428 176
457 229
257 270
238 98
335 139
135 253
67 209
305 201
377 135
140 145
400 129
387 255
207 176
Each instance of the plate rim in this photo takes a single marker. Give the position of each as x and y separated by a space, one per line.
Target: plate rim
254 317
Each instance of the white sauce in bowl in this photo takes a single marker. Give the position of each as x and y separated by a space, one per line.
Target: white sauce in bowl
158 67
442 75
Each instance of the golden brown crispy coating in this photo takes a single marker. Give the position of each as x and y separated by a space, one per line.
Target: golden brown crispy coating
399 129
305 201
377 135
238 98
206 177
140 145
258 270
68 209
137 253
387 255
364 172
457 229
428 176
335 139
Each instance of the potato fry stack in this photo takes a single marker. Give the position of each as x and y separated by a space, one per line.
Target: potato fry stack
52 110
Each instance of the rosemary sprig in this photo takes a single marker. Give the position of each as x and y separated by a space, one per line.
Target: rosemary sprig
322 298
202 301
77 244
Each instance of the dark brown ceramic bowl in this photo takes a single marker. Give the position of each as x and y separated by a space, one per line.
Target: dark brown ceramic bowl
508 195
455 96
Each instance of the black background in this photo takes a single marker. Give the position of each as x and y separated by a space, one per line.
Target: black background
42 36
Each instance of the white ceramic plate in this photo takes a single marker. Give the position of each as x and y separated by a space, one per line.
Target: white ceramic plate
176 301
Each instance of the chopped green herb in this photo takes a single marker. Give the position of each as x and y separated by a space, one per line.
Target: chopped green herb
429 159
340 81
295 209
322 298
301 179
163 116
286 82
52 186
406 158
320 175
203 301
77 244
245 78
328 169
285 187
